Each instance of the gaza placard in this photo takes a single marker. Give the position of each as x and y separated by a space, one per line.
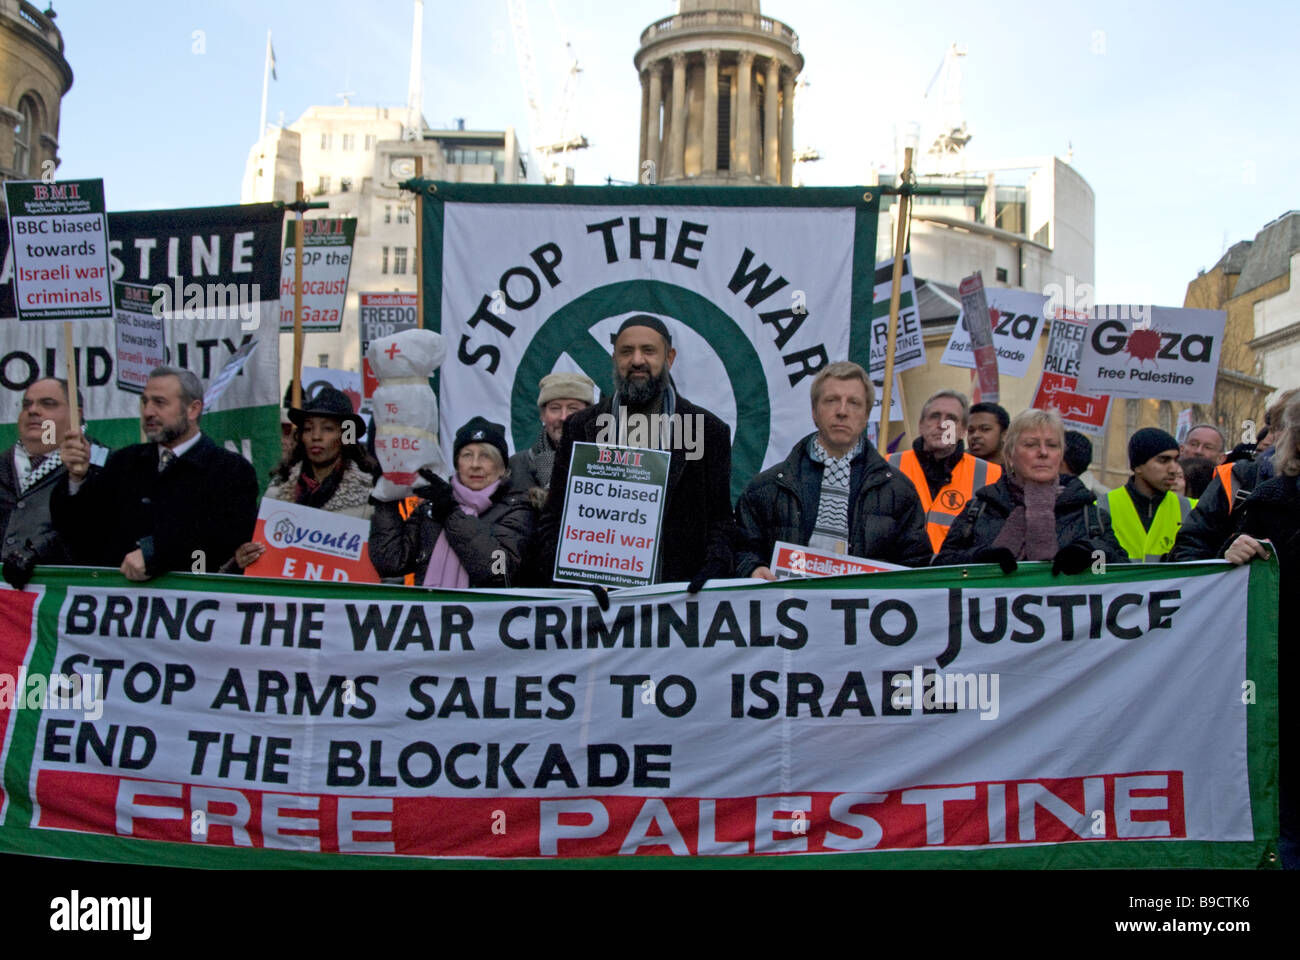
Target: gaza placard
1163 353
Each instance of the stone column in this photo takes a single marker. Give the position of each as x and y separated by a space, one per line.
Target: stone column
744 113
771 129
787 127
652 126
676 159
645 115
710 143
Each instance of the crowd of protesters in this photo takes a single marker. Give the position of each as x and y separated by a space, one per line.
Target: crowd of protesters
976 487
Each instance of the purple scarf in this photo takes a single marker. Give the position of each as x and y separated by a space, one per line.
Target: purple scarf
1030 530
445 568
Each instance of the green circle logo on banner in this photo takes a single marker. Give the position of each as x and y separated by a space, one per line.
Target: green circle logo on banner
568 330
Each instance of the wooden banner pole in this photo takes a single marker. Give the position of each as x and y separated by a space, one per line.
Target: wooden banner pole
887 387
296 400
419 248
74 410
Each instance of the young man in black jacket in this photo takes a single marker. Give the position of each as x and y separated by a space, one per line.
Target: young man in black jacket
834 492
178 502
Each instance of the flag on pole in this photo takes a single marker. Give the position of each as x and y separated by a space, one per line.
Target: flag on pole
271 54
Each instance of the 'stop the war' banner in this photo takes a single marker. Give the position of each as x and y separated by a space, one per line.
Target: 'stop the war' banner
939 717
759 288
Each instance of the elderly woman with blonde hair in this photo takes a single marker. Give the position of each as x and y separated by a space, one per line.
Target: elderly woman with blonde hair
1035 511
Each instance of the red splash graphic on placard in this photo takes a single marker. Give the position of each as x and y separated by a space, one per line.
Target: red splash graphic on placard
1143 345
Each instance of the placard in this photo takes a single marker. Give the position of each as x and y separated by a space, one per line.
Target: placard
303 543
1016 318
381 315
326 260
975 312
909 344
59 231
1058 384
1163 353
790 560
140 335
613 515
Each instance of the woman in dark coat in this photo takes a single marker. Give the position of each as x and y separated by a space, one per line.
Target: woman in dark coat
1273 513
469 532
1034 512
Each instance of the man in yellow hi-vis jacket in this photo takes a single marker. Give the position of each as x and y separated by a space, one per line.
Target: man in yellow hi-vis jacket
1145 513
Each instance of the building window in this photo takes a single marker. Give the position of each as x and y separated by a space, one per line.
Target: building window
724 123
325 139
323 360
1001 274
403 214
388 213
345 184
25 135
399 259
383 260
370 142
349 141
324 185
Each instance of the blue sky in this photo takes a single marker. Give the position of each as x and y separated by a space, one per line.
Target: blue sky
1180 114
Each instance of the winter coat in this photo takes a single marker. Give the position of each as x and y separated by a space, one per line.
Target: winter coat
25 516
206 500
1211 522
699 528
1078 520
885 518
399 547
352 498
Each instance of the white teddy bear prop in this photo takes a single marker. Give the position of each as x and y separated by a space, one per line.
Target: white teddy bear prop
405 409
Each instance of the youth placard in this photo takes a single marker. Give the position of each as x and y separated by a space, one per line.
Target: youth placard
308 544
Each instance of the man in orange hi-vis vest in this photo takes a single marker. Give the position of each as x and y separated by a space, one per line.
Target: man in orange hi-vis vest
944 474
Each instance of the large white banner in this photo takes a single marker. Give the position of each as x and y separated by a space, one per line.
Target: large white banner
892 712
757 299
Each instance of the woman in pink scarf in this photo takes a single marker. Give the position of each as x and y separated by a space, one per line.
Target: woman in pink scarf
1034 512
469 532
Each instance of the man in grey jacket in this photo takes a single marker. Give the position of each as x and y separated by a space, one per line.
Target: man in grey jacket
29 472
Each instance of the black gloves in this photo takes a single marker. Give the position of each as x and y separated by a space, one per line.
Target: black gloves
1072 558
716 564
19 565
1003 557
442 501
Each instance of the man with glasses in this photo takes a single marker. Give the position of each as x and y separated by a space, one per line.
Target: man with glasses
29 472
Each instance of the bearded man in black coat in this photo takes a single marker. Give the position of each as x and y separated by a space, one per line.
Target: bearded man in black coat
698 528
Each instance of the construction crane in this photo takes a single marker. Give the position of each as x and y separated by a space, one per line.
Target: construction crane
947 151
549 140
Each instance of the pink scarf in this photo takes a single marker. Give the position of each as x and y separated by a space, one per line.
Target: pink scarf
445 568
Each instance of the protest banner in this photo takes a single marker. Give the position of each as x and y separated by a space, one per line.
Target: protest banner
381 315
613 515
222 380
793 560
60 249
933 718
208 268
326 261
141 339
304 543
346 382
1016 318
975 315
1058 384
760 288
909 347
1159 352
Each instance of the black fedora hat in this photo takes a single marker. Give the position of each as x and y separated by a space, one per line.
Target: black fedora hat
329 402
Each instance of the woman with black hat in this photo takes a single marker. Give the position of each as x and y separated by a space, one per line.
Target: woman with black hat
329 469
469 532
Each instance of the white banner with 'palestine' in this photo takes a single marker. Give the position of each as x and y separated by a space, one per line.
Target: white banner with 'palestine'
962 712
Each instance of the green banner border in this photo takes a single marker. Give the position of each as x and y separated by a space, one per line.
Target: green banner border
1262 748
